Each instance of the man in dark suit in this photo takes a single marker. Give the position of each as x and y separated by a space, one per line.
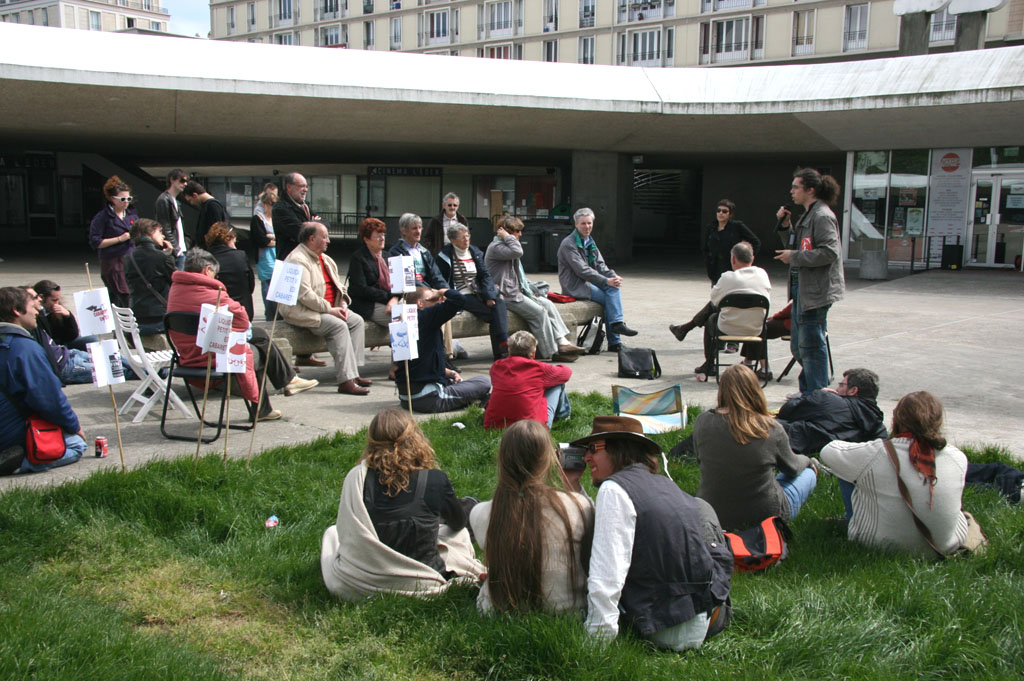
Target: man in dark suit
290 212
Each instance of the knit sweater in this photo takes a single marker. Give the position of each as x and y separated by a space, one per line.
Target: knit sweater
880 516
739 480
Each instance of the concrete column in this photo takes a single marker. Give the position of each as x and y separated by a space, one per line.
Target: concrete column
914 29
603 181
970 32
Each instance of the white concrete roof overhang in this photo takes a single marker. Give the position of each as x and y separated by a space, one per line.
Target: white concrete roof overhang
192 100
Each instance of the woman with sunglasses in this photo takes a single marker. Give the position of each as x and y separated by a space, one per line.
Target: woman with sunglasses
534 529
110 235
716 242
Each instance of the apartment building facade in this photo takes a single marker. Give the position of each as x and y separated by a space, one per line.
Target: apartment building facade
90 15
619 32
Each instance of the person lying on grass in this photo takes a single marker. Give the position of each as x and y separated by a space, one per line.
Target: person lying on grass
659 561
400 527
532 531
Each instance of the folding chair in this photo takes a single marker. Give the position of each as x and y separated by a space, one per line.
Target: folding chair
658 412
742 301
146 365
188 323
792 360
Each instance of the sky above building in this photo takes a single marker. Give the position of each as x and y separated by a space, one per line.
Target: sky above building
189 17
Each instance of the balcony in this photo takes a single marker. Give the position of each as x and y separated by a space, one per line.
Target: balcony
143 5
642 58
716 5
803 45
734 52
500 29
855 40
643 11
277 21
587 17
427 38
330 11
231 28
943 31
550 23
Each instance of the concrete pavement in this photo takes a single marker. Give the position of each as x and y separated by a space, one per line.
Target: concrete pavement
956 334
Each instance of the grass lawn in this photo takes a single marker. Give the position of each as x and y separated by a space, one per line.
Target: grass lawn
162 574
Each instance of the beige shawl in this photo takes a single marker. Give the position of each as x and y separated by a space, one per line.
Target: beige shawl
355 564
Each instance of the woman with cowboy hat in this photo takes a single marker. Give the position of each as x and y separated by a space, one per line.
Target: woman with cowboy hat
658 556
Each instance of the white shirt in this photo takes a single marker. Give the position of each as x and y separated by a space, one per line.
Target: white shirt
744 280
446 223
612 550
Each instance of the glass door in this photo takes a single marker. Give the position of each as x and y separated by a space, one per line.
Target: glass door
997 235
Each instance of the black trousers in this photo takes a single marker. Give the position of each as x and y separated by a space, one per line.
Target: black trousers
279 369
496 317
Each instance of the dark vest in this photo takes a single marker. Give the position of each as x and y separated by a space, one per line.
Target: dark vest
671 573
410 529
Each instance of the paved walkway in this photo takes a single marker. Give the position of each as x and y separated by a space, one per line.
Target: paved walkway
956 334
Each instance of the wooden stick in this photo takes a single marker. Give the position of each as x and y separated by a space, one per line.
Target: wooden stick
206 392
408 387
263 387
227 421
117 429
88 274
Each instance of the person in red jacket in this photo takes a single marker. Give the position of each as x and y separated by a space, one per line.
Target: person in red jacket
523 388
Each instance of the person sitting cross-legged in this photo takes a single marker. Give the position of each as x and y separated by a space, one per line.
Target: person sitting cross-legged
523 388
436 388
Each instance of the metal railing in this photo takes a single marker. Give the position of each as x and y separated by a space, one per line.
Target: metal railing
855 40
943 30
586 18
803 44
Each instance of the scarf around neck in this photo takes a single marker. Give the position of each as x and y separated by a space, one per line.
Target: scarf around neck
590 249
922 458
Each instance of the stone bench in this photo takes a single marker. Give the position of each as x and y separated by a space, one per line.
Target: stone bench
293 340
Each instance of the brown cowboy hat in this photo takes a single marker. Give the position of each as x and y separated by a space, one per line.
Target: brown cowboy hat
618 428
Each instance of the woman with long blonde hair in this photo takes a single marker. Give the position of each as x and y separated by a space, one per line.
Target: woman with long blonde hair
533 531
739 446
405 494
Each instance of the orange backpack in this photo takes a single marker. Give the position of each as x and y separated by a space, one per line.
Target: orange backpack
760 547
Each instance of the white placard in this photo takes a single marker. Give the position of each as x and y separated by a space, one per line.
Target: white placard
285 282
409 315
234 360
106 363
949 197
402 346
95 317
214 328
403 273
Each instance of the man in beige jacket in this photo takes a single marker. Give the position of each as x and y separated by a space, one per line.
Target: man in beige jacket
322 308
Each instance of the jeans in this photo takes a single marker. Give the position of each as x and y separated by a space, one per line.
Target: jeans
846 489
558 404
807 343
74 445
179 262
269 306
78 368
82 342
450 397
797 489
611 298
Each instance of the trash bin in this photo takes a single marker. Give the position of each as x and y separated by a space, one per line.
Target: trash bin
952 256
553 236
531 241
874 265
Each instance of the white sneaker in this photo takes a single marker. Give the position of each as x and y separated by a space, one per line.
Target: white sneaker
298 385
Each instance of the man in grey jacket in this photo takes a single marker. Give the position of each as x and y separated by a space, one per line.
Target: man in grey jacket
168 214
583 274
815 258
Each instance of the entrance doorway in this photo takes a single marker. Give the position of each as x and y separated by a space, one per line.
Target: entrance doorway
997 226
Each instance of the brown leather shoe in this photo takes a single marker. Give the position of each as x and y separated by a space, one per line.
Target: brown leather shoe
364 382
564 357
569 349
310 361
349 387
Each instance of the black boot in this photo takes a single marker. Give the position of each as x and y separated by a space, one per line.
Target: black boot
621 329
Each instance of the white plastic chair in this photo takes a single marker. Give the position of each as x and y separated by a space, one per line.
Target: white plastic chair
146 365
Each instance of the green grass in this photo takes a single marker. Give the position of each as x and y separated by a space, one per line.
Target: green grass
162 574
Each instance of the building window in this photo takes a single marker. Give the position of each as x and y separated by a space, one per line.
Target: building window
147 5
94 22
231 20
437 26
156 26
550 50
396 33
587 13
586 50
329 36
326 10
129 22
367 35
250 15
855 30
803 33
670 39
943 26
498 52
550 15
728 40
500 16
367 6
645 48
283 39
284 9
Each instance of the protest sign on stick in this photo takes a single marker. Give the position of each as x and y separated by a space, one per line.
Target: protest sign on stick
403 273
95 317
213 331
108 371
232 362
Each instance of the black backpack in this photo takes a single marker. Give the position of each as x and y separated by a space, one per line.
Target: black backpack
591 336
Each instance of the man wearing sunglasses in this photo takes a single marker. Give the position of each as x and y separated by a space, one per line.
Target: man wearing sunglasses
436 235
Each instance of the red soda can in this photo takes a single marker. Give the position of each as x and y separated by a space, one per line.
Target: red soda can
101 448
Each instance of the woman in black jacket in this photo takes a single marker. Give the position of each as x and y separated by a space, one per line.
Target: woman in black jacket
235 271
148 270
717 239
369 280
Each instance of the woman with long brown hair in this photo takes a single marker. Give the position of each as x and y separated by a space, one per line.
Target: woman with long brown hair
400 528
739 446
110 235
931 470
532 530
